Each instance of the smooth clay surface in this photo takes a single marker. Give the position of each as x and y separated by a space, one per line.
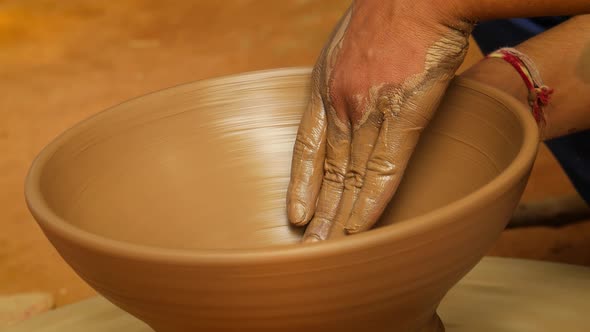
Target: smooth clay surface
172 206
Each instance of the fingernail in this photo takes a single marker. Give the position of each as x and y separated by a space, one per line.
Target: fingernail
311 238
297 214
353 225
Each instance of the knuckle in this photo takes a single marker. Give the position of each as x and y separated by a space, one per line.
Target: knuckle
353 179
333 179
389 101
304 142
333 173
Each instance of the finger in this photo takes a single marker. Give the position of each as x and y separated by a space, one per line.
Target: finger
308 159
401 128
383 174
337 155
307 165
364 137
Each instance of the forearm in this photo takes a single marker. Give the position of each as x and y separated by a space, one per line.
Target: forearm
495 9
562 56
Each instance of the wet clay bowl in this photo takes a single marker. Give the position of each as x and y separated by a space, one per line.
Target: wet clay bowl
172 206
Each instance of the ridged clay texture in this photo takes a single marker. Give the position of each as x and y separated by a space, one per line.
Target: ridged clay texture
172 206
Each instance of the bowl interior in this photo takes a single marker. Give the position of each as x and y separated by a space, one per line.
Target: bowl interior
206 165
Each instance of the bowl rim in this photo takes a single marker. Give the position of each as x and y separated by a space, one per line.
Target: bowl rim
52 223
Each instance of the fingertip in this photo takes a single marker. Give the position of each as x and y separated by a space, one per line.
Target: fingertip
311 238
297 213
355 225
317 230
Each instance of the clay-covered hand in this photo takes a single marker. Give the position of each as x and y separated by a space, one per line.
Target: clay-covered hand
374 88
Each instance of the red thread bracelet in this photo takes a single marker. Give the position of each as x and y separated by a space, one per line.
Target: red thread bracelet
539 94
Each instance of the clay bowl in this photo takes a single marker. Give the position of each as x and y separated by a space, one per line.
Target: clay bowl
172 206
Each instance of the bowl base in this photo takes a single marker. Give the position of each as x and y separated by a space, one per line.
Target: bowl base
435 325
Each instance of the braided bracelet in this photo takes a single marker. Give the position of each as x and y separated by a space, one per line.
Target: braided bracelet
539 93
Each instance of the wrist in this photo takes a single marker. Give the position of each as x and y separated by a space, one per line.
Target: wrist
453 13
500 74
454 10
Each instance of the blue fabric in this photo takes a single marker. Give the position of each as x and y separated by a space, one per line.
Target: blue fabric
572 151
491 35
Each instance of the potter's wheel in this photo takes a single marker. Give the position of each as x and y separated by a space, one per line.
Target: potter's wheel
498 295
